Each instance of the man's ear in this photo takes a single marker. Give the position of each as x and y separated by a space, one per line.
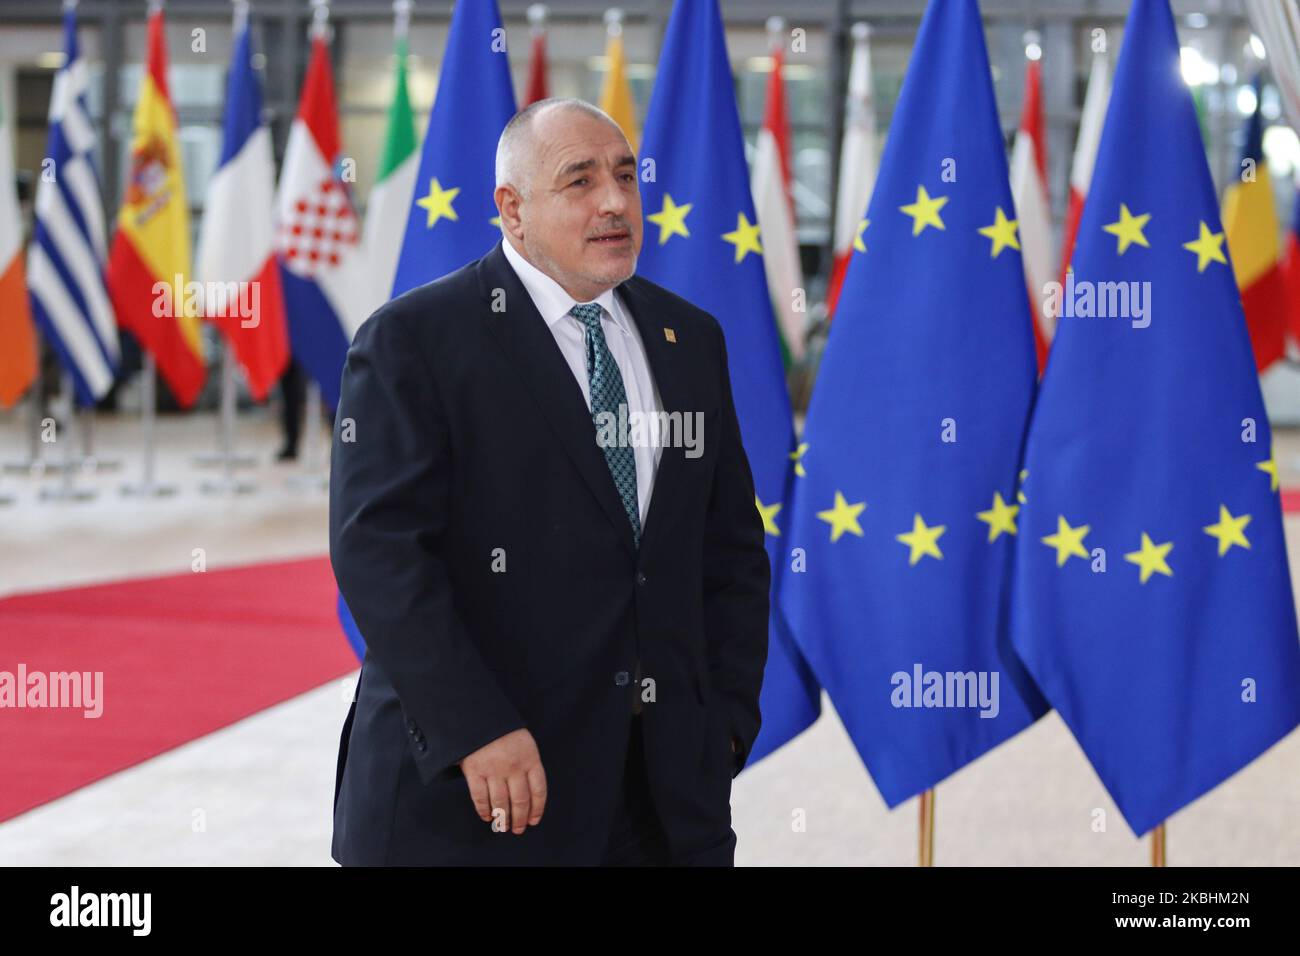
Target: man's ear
507 203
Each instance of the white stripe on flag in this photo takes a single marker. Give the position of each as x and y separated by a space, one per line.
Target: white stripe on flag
79 261
80 180
45 285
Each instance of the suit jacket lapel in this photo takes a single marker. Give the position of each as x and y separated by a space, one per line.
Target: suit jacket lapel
523 335
674 396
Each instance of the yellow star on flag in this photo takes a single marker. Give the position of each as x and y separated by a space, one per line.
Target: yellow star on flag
1002 232
1208 247
495 221
671 219
859 245
744 237
438 203
843 517
1229 530
1151 558
1270 468
796 456
1001 518
1129 229
1067 541
922 540
925 211
1020 493
769 517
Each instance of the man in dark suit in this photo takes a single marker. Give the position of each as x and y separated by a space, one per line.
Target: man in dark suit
566 631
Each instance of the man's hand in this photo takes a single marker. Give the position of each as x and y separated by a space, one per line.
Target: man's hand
507 776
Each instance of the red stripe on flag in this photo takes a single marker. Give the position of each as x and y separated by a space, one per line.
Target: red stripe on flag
262 348
131 288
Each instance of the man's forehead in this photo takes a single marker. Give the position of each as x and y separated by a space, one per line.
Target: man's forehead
583 149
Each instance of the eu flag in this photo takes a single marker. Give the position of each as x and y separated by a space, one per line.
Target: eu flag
1153 599
702 242
452 219
906 514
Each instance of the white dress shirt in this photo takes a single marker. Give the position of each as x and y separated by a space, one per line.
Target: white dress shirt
624 341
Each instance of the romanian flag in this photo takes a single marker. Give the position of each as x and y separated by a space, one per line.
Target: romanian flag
149 263
1250 221
615 94
17 336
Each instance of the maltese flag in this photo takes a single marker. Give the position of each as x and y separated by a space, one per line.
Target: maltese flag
237 242
321 257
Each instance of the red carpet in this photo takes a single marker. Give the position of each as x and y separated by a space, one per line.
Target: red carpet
181 656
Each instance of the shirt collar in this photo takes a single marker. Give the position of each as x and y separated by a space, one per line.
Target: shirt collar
549 296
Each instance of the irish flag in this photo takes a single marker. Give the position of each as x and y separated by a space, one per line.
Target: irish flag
149 262
17 337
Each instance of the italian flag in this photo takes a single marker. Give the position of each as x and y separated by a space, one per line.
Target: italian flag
390 197
17 335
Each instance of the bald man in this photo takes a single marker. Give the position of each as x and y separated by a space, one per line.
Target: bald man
543 521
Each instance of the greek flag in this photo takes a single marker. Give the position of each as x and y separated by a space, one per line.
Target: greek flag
65 266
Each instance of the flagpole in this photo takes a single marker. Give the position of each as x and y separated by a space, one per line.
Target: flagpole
34 464
68 489
1158 845
89 461
227 484
402 18
147 487
927 828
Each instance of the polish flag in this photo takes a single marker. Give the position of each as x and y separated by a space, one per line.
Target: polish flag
1033 208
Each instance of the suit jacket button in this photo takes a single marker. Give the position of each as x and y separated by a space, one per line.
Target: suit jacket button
621 678
641 580
421 745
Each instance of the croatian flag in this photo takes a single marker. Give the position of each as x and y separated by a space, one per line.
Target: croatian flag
237 242
65 264
319 243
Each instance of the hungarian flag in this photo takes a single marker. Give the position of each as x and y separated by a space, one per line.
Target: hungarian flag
775 207
615 94
390 197
537 61
1033 208
149 261
857 164
1250 221
17 336
1095 102
236 258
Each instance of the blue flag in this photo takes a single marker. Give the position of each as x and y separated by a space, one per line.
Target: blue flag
453 218
702 242
1153 598
907 511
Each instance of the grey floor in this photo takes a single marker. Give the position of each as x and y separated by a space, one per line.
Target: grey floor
258 792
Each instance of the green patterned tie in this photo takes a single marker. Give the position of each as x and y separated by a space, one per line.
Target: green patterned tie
607 394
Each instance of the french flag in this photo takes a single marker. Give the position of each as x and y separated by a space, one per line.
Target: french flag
237 242
319 238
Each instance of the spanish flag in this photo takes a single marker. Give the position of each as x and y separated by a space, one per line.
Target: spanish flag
149 263
1250 221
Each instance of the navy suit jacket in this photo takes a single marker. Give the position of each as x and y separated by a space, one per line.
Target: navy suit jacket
480 543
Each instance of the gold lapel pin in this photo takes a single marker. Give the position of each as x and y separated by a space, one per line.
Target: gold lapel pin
670 335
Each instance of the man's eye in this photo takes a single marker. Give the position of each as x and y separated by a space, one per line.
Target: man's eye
577 181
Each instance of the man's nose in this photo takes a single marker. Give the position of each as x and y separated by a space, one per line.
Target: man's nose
613 201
